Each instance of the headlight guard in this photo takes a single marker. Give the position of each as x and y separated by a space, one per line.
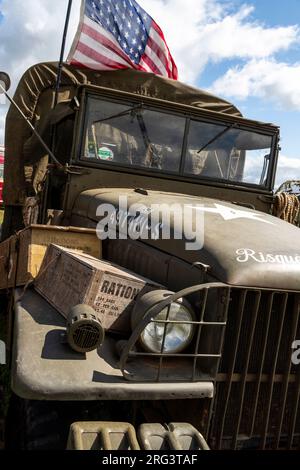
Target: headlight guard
197 362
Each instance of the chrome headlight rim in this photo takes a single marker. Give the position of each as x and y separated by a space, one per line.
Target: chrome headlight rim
152 299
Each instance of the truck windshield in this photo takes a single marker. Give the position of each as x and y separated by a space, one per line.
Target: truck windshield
141 137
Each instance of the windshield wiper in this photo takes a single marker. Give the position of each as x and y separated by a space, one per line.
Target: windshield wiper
135 112
216 137
154 157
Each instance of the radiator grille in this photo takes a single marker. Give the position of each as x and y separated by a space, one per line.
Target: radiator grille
258 387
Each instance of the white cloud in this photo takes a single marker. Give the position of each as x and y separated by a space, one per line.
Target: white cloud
197 32
266 78
2 122
31 32
288 169
200 31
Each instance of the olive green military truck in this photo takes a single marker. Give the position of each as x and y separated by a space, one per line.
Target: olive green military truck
216 350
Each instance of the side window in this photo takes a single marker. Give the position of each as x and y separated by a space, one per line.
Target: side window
257 154
64 139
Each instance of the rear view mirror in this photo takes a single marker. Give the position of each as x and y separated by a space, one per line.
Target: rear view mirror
4 81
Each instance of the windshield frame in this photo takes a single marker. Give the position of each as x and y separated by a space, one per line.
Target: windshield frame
189 113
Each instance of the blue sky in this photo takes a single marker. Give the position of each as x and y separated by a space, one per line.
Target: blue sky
270 13
276 12
245 51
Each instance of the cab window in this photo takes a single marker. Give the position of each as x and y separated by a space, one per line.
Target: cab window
133 135
137 136
227 153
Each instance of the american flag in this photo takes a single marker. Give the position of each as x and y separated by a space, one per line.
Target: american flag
119 34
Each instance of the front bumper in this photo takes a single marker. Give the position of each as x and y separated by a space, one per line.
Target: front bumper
45 368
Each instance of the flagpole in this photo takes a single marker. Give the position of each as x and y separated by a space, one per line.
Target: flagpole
62 52
53 132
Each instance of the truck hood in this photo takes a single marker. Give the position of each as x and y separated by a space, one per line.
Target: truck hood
243 247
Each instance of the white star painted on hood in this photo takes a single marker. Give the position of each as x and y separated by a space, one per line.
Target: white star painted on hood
229 213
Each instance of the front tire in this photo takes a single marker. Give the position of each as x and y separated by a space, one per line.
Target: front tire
35 425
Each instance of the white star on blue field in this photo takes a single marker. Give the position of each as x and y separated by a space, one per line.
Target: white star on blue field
125 20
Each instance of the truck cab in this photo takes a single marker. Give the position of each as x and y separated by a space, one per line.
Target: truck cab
154 142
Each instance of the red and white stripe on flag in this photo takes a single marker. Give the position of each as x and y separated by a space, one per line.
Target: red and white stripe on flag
96 48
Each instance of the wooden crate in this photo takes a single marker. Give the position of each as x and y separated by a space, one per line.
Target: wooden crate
23 254
67 278
34 241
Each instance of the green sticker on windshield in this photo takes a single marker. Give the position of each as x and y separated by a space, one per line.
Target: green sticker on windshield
91 153
105 153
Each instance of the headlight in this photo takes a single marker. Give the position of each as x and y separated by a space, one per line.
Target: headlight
175 336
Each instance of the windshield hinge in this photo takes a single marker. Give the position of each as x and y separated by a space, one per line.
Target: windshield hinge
267 199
